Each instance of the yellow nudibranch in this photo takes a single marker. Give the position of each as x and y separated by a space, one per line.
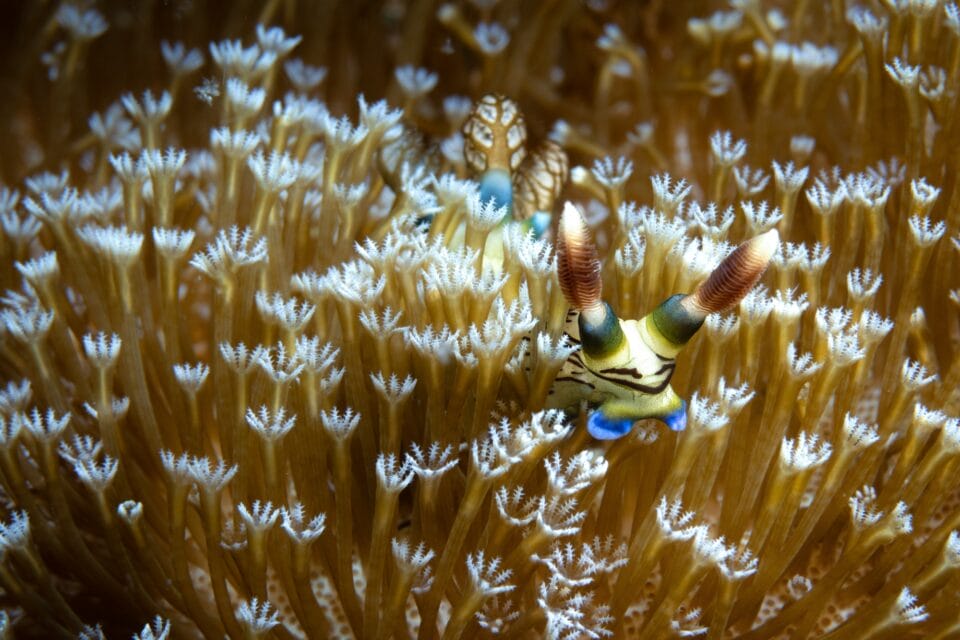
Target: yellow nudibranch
623 367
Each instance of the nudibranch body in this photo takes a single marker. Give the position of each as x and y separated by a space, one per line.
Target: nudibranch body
623 367
630 382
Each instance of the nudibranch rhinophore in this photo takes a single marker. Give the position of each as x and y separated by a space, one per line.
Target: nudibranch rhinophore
494 145
623 367
526 183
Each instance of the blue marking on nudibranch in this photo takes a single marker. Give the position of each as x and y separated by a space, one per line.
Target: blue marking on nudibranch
539 223
677 420
495 185
603 428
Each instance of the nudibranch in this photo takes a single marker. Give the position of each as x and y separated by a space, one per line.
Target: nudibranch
494 147
623 367
538 185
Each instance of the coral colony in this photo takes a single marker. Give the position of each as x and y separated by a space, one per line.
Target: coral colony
554 319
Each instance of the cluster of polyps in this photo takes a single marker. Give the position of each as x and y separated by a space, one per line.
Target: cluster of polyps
268 336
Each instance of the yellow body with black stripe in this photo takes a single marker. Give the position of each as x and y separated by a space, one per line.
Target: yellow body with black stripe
631 382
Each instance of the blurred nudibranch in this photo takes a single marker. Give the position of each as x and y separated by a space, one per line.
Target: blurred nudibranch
526 184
